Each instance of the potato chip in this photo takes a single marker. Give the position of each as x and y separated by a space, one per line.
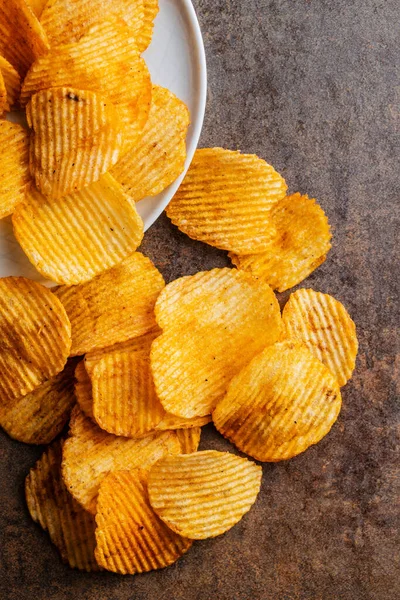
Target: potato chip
11 83
37 6
66 21
325 327
114 306
281 403
173 422
73 239
83 390
189 439
14 166
35 336
71 528
22 38
225 200
300 245
90 453
41 415
76 138
204 494
130 537
213 324
158 156
146 33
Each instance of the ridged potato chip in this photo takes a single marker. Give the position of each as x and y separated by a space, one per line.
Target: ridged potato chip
281 403
130 537
73 239
90 453
67 21
299 246
41 415
70 527
76 137
225 200
213 324
22 38
14 166
83 390
189 439
204 494
37 6
323 324
146 33
35 336
11 82
114 306
158 156
173 422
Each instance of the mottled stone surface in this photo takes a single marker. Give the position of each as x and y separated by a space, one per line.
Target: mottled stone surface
310 85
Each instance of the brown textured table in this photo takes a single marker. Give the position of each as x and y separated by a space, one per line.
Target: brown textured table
312 86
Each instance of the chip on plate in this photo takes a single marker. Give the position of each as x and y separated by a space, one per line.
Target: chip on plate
189 439
130 537
11 85
204 494
323 324
14 166
90 453
76 138
213 324
71 528
299 246
281 403
159 154
225 200
35 336
72 239
83 390
41 415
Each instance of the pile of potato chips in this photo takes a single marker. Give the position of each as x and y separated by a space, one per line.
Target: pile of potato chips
134 366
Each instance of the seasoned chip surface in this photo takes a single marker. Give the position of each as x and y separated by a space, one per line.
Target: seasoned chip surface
14 166
225 200
114 306
323 324
83 390
281 403
204 494
189 439
35 336
130 537
12 83
213 323
71 528
299 246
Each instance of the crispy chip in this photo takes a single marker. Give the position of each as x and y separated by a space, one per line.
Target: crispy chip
11 82
76 137
146 33
325 327
22 38
14 166
213 324
90 453
66 21
71 528
225 200
73 239
281 403
158 156
83 390
189 439
114 306
39 416
173 422
37 6
35 336
299 246
204 494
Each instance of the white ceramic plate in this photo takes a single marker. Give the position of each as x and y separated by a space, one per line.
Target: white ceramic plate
176 60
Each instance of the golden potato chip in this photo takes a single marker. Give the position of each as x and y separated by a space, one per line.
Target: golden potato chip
71 528
37 6
325 327
173 422
41 415
76 138
158 156
204 494
66 21
73 239
83 390
299 246
35 336
146 33
11 82
14 166
189 439
130 537
225 200
213 324
114 306
22 38
281 403
90 453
